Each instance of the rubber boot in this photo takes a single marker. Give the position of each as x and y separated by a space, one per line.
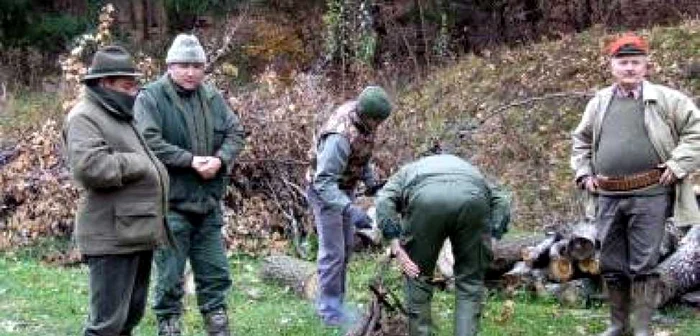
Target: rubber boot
169 326
619 297
467 317
216 322
644 292
419 296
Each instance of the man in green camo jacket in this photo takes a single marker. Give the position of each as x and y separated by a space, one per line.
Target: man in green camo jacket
427 201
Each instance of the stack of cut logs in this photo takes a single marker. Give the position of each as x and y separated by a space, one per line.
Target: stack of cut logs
568 259
538 263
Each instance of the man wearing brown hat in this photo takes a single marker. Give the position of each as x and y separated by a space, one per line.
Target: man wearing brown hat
193 132
120 218
633 149
341 158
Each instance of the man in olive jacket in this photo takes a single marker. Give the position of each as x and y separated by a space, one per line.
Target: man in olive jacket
120 218
633 150
194 133
427 201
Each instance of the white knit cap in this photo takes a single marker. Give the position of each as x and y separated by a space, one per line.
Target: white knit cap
186 49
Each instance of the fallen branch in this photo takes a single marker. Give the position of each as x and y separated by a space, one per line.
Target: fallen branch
499 109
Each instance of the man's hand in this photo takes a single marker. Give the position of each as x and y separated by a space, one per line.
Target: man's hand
406 265
358 217
668 178
206 166
589 183
212 167
372 191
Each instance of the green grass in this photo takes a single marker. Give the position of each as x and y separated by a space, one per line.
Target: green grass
37 299
27 109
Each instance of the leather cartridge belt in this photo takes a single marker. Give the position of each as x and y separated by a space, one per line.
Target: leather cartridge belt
629 182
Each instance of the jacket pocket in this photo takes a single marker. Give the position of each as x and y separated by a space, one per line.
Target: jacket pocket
136 223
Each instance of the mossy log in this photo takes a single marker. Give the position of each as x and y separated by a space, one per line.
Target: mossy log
298 275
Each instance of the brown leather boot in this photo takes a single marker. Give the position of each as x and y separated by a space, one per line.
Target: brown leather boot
619 297
216 322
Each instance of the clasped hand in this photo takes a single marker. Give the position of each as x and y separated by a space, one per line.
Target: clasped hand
206 166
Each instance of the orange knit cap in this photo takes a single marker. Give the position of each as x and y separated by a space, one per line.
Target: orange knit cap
627 45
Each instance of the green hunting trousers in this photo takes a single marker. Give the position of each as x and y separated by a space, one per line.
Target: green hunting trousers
457 210
198 237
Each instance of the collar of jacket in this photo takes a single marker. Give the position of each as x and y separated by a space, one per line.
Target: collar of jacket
361 126
100 98
648 90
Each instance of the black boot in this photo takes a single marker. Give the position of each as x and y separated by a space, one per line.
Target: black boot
169 326
217 323
619 297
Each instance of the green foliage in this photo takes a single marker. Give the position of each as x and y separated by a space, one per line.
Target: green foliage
25 23
27 109
183 14
350 38
199 6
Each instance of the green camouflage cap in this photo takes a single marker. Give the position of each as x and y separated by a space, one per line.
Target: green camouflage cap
374 103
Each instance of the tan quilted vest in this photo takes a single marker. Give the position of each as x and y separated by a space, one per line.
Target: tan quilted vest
361 145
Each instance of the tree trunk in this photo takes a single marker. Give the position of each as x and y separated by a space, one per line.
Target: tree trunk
680 272
538 256
507 252
297 274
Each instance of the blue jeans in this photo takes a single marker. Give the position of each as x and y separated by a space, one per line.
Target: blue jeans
335 239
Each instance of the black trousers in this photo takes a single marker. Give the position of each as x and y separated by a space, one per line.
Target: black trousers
118 292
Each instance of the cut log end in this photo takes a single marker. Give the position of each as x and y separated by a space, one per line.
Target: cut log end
589 266
561 269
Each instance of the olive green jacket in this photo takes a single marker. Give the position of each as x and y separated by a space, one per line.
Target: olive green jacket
123 185
672 122
178 125
394 198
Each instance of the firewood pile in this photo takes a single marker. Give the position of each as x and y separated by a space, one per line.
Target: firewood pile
565 264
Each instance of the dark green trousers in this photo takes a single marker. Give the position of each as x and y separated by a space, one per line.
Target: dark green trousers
198 238
448 210
118 292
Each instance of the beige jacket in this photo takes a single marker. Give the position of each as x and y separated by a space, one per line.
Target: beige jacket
673 123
